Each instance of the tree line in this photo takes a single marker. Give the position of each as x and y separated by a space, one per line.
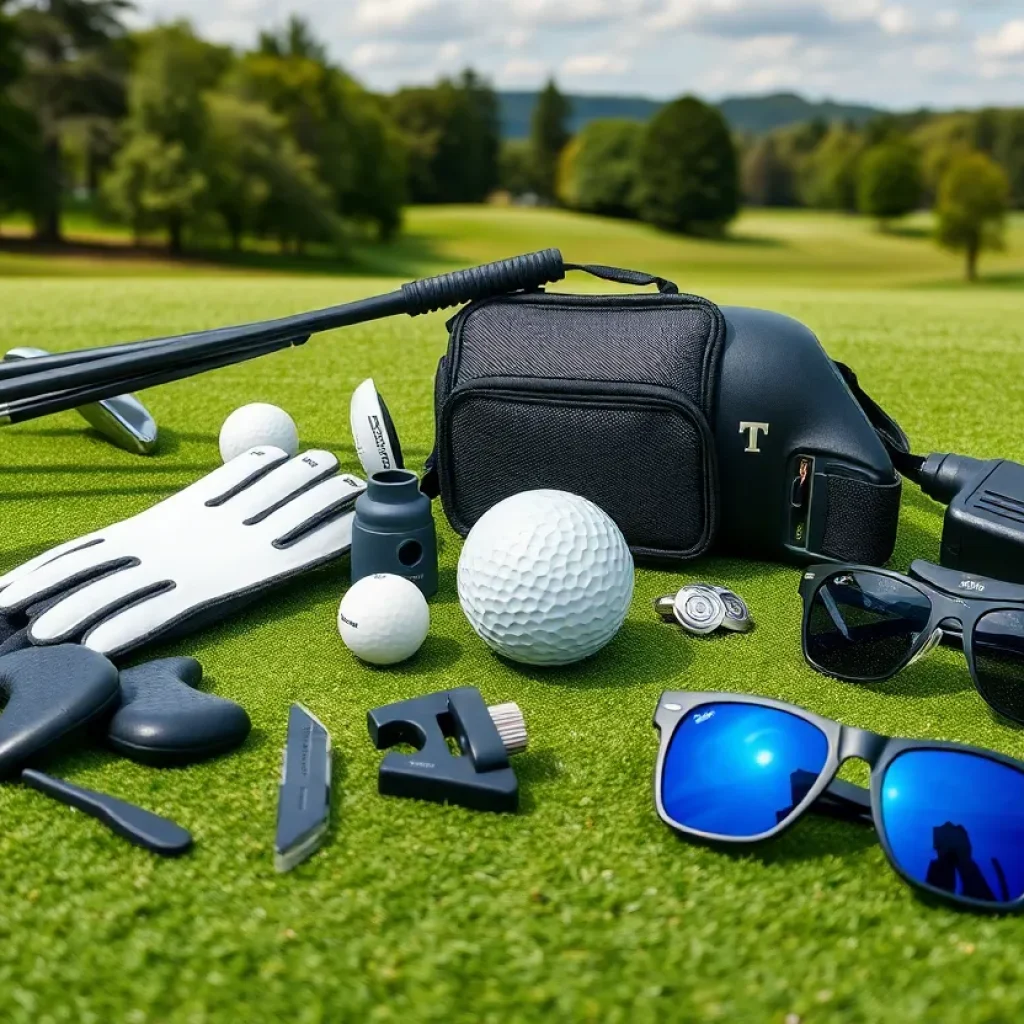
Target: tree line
169 133
685 171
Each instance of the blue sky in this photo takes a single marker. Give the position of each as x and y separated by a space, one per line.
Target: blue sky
894 53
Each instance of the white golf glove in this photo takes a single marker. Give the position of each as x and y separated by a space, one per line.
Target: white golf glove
192 559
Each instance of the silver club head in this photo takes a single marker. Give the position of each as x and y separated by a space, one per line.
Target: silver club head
699 610
124 421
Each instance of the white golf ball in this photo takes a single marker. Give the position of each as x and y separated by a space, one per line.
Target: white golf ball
256 425
546 578
384 619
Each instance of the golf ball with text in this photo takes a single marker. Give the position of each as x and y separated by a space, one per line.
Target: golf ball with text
546 578
384 619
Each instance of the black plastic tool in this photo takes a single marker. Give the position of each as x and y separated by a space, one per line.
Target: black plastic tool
143 828
164 720
51 693
480 779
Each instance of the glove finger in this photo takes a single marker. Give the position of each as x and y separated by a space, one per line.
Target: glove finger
61 574
45 558
317 505
92 603
317 546
217 487
265 496
135 625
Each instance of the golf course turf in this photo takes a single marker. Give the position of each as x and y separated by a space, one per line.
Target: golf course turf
583 906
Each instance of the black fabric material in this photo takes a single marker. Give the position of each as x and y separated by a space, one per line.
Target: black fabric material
606 396
896 442
862 520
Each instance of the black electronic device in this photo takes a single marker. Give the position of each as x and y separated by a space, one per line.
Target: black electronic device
480 778
983 530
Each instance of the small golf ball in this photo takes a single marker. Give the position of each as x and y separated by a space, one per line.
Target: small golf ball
256 425
546 578
384 619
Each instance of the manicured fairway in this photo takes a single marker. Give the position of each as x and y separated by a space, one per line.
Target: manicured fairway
583 906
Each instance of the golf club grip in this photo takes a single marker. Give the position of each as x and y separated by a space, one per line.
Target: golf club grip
521 273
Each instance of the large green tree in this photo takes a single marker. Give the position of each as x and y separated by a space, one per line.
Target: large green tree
600 168
453 139
515 167
549 135
769 179
260 182
889 181
689 174
73 71
971 211
346 131
159 178
19 137
828 174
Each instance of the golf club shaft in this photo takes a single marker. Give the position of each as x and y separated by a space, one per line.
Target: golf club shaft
47 405
106 370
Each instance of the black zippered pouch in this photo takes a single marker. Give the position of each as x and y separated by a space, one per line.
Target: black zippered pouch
608 396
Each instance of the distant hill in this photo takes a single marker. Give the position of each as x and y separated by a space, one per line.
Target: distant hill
517 108
759 114
752 114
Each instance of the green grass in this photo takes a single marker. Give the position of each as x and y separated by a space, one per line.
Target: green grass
583 906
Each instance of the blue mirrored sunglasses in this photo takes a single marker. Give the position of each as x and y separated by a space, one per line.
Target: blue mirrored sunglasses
739 769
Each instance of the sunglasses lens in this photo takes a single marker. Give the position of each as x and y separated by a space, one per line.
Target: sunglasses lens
955 821
863 625
740 770
999 661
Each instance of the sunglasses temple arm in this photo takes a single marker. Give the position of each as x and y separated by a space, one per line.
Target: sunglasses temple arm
845 801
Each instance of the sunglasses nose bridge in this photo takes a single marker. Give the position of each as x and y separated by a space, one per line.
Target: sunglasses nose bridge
860 744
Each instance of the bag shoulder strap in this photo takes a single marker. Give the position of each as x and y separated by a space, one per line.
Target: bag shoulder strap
891 434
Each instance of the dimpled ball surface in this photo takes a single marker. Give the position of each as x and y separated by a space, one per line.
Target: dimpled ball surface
253 426
546 578
384 619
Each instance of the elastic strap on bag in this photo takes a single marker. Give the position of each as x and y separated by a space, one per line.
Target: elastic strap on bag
632 277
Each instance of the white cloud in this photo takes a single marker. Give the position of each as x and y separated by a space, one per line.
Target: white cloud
586 65
518 38
519 70
899 53
896 21
369 55
417 20
1008 42
765 48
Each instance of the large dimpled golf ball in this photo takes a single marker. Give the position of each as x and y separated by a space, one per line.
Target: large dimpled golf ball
257 425
384 619
546 578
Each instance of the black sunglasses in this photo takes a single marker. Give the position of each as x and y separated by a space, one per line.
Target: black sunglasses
739 769
863 624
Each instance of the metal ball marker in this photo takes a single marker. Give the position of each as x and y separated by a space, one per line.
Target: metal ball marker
703 608
699 610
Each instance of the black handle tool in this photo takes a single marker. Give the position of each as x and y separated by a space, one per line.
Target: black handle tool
138 826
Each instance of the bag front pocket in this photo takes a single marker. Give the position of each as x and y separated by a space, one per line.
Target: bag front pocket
641 452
